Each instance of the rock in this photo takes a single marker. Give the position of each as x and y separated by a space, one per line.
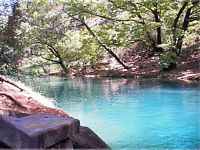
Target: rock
87 139
36 131
4 146
190 76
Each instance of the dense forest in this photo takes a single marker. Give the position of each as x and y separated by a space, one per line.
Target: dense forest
42 37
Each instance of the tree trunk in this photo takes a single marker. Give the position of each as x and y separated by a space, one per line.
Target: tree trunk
159 32
104 46
153 43
184 28
177 43
65 69
60 60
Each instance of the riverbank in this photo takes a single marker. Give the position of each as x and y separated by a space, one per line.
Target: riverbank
143 66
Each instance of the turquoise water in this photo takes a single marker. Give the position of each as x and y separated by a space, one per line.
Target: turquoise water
132 114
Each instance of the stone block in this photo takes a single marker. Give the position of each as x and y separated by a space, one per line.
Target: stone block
36 131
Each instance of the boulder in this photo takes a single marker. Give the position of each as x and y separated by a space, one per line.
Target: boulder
87 139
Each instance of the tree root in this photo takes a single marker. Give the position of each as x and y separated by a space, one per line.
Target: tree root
28 106
12 99
2 79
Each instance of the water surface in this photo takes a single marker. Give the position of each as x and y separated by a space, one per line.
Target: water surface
131 114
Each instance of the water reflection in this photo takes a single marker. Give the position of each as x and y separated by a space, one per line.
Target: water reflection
86 88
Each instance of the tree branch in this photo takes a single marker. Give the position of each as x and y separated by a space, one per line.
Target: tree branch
53 50
2 79
179 14
103 45
105 17
153 42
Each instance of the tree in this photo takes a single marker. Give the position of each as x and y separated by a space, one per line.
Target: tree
187 14
74 33
49 33
10 49
77 14
191 14
151 21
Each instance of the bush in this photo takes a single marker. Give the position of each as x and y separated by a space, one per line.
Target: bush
167 61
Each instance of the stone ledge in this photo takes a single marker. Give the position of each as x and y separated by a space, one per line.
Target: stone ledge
36 131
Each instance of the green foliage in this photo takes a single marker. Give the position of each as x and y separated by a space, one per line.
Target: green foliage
167 60
48 24
116 24
123 22
10 41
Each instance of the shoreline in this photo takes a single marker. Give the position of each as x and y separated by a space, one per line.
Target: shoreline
181 76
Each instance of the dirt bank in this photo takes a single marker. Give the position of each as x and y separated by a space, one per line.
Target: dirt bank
144 66
16 100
